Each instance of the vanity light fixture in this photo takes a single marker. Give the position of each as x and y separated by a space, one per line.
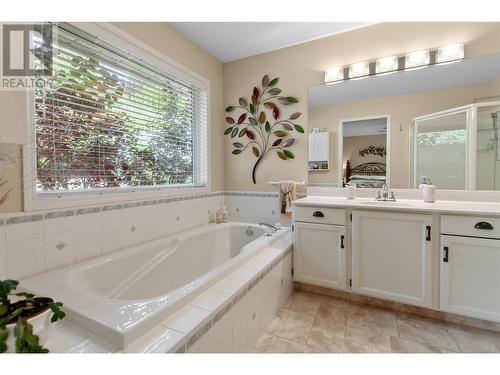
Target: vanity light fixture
449 53
360 69
417 59
386 64
394 63
334 74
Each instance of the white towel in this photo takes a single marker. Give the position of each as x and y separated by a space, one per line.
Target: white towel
288 193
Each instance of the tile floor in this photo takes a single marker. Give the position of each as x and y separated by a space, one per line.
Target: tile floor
313 323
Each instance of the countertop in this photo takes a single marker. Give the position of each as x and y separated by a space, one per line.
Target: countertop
407 205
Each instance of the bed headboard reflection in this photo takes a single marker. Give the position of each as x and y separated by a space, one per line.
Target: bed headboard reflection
365 169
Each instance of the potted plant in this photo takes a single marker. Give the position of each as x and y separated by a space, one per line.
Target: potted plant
25 320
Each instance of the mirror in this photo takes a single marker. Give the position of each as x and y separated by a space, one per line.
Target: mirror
439 123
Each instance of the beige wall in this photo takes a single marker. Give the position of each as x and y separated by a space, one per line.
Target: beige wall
168 41
402 109
303 65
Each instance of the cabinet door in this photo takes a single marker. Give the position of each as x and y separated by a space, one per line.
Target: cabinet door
392 256
312 152
470 277
319 255
322 140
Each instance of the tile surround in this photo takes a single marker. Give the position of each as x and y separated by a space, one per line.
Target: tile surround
32 243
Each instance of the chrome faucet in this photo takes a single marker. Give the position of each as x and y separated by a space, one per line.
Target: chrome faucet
273 227
385 194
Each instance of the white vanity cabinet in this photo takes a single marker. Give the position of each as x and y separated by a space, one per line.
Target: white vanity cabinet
319 247
392 256
470 266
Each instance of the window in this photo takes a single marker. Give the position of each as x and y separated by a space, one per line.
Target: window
109 122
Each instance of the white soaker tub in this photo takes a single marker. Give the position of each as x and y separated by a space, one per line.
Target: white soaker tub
122 295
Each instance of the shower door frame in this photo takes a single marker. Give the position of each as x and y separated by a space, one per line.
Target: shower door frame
470 111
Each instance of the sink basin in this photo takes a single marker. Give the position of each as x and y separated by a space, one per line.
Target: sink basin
392 204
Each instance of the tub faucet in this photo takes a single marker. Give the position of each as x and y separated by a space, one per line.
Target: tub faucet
273 228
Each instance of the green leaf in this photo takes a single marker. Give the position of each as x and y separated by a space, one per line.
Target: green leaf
292 99
252 108
255 151
299 128
252 121
267 126
288 154
236 152
273 82
230 109
234 132
57 313
4 334
228 130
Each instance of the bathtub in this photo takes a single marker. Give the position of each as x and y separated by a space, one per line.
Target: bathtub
121 296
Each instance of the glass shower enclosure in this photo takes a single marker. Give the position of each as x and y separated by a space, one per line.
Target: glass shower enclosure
457 148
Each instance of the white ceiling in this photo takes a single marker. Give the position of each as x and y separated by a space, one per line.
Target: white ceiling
435 77
229 41
377 126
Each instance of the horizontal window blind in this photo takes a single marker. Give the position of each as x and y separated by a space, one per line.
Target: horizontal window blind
108 119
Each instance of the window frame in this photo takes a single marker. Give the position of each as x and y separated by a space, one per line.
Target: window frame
33 201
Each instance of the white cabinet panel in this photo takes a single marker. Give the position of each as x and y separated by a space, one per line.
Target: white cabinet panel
322 146
319 146
470 276
319 255
392 256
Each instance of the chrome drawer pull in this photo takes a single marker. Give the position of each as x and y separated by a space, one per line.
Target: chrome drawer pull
483 225
318 214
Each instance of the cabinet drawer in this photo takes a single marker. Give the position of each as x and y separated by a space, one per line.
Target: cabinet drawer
475 226
323 215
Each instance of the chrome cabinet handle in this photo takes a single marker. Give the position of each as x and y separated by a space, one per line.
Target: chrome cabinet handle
483 225
318 214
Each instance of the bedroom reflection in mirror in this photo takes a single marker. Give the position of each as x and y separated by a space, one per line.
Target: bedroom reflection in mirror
364 152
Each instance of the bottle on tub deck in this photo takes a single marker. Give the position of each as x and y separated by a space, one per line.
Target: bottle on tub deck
428 191
224 214
218 215
350 191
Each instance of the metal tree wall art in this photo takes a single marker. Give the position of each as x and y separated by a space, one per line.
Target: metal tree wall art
255 129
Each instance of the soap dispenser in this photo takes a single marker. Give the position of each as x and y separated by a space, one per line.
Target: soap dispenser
428 191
